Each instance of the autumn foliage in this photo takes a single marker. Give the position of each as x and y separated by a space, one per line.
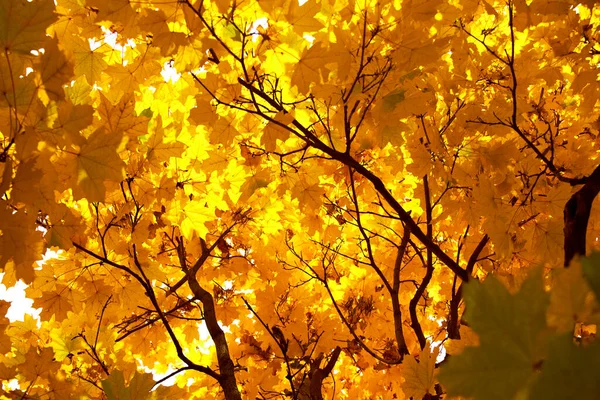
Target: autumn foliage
316 199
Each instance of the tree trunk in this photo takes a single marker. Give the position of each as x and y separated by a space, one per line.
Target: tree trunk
577 214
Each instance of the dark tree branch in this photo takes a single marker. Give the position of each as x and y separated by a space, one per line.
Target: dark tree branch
398 322
150 293
281 342
453 326
416 326
576 216
226 367
319 375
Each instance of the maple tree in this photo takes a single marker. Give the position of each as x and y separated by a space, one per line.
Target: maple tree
305 200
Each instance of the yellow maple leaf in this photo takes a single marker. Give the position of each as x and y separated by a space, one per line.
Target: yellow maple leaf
56 70
275 130
117 12
79 91
4 322
309 196
258 179
89 63
17 92
38 363
301 16
71 119
59 303
63 345
7 171
307 70
161 149
19 242
120 116
223 131
95 162
196 215
24 24
419 377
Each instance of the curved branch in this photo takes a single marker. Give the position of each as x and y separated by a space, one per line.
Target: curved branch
226 366
412 307
319 375
360 342
453 326
398 323
154 301
281 343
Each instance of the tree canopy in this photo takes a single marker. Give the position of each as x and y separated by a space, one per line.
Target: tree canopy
315 199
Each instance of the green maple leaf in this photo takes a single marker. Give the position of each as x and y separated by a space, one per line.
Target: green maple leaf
591 271
510 329
569 372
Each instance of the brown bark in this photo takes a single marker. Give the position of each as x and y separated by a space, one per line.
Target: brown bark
319 375
453 319
345 158
398 321
577 214
226 367
412 307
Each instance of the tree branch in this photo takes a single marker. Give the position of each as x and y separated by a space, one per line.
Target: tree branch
576 216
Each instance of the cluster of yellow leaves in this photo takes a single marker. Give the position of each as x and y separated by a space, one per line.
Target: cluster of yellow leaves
132 128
